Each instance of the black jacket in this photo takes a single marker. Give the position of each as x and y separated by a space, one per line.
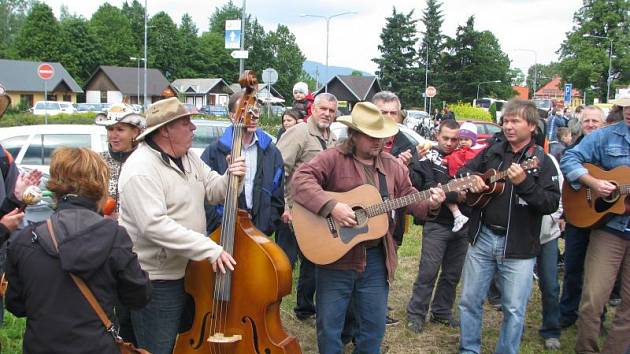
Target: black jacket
268 193
402 144
98 250
433 172
538 195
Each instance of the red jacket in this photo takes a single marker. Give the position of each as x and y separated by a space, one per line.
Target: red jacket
460 157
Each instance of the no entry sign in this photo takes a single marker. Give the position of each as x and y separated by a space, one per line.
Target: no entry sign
45 71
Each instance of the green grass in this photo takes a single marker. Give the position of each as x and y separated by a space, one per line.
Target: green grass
434 339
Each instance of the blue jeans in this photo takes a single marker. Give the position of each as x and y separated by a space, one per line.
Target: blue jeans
550 289
575 245
305 291
484 259
367 290
157 324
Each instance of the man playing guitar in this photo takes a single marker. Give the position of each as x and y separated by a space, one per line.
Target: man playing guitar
504 234
363 274
609 246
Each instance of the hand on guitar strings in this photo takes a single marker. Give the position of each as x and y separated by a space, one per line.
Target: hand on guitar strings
516 174
237 168
405 157
225 260
478 184
602 187
436 198
343 215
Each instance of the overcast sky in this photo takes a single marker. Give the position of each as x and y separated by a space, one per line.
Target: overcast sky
538 25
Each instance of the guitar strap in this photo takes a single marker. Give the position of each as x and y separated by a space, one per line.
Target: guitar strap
322 143
382 188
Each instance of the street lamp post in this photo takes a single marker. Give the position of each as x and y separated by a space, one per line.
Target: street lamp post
484 82
327 18
610 48
426 80
144 101
138 92
535 68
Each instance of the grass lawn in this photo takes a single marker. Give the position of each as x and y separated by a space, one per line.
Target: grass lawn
434 339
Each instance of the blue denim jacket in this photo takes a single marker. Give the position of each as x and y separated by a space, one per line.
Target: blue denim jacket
606 147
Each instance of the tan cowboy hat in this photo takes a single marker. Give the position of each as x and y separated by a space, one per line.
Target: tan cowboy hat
5 100
161 113
622 101
367 119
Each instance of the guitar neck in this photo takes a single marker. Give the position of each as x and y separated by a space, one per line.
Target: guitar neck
393 204
624 188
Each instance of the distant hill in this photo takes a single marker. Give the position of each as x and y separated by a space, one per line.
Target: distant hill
311 68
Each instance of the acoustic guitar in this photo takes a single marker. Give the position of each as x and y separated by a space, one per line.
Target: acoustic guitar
585 208
323 241
493 179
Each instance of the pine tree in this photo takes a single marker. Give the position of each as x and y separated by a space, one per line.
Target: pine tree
165 44
191 55
397 66
39 36
114 38
432 42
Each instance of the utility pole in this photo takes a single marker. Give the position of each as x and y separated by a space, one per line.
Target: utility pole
144 102
426 78
241 65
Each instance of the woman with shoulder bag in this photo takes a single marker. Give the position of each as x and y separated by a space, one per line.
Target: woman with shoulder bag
83 244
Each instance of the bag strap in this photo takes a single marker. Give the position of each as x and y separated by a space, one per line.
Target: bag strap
87 293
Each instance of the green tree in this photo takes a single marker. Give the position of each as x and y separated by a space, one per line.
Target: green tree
217 60
397 66
39 36
310 81
356 73
12 16
584 60
287 59
432 42
192 58
135 15
544 74
517 76
115 41
228 11
165 45
473 57
77 49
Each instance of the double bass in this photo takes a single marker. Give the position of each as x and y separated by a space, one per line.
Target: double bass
239 311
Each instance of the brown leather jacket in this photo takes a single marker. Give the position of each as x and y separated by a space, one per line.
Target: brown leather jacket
339 171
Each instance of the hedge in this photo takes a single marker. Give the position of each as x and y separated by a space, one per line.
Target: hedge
465 111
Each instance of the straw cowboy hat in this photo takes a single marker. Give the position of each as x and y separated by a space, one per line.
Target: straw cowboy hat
161 113
622 101
367 119
5 100
120 113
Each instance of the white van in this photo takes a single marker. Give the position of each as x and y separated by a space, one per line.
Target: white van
32 145
53 108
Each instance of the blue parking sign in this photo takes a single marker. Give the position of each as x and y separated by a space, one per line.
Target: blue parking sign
568 88
232 34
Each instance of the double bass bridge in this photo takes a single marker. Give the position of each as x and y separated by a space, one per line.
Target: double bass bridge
220 338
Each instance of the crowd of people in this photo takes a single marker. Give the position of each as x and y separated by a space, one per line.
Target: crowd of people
167 200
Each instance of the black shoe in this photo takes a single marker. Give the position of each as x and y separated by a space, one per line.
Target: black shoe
415 326
565 323
390 321
614 301
449 322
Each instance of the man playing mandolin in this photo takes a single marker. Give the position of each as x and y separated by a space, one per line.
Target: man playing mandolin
363 274
608 250
504 234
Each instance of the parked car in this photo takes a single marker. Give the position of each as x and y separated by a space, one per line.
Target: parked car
210 130
88 107
214 110
341 131
53 108
485 130
32 145
191 108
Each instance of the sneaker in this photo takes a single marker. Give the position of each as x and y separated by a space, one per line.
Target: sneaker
390 321
458 222
449 322
415 326
552 343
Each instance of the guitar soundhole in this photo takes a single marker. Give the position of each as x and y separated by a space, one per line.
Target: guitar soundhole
360 215
614 196
603 204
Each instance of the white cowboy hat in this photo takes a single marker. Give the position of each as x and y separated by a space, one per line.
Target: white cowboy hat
161 113
120 113
622 101
367 119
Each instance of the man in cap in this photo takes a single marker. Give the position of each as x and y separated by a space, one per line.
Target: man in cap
299 145
162 188
362 275
608 251
12 186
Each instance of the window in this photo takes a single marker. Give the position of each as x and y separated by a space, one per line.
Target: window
205 134
51 97
26 101
67 98
103 96
39 151
14 145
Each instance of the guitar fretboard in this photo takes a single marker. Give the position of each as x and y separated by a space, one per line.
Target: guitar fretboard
393 204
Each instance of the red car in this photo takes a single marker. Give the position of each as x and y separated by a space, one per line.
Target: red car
485 129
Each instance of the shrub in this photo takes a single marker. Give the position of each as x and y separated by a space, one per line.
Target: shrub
465 111
27 118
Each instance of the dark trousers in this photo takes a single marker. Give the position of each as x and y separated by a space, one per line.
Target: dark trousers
305 303
441 249
285 238
575 245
